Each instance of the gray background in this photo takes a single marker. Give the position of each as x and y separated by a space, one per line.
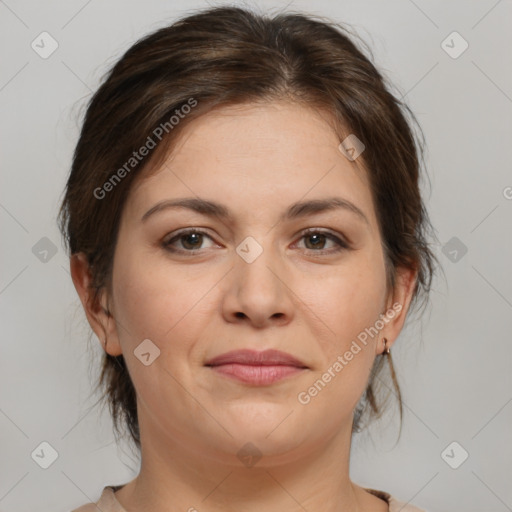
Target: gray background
456 381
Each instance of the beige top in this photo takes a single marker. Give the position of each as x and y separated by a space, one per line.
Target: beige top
109 503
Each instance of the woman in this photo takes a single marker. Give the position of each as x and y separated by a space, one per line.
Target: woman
246 235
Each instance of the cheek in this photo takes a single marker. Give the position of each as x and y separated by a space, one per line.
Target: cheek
167 306
348 305
159 301
348 300
357 300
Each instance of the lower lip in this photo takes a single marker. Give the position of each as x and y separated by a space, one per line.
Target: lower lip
259 375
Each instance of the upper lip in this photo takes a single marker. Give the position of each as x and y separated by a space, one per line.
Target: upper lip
252 357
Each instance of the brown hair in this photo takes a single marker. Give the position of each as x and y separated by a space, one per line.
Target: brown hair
225 56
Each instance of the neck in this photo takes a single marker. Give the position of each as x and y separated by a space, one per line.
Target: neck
181 478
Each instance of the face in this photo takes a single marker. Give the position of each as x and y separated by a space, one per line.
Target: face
304 281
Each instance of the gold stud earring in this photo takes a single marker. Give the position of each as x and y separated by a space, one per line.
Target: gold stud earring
386 350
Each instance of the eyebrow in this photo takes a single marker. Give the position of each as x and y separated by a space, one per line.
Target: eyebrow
295 211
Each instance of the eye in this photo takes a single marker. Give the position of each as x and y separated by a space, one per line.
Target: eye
190 239
316 239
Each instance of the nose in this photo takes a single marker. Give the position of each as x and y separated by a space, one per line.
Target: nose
259 292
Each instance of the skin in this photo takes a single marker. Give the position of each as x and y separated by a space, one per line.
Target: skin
255 159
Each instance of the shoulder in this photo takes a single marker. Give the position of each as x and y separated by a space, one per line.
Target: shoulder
106 503
89 507
395 505
399 506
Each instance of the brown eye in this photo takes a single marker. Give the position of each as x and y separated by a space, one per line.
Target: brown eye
315 241
190 241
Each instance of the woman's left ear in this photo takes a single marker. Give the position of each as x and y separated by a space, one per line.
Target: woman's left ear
398 302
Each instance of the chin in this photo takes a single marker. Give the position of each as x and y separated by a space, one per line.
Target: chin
273 435
259 450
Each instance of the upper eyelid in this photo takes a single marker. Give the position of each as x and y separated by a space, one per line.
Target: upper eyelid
185 231
304 232
204 231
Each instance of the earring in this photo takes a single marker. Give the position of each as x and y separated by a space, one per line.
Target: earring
386 350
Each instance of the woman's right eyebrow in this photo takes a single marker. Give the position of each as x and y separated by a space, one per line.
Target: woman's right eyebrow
296 210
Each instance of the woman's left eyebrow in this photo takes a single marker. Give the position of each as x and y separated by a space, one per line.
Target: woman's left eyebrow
296 210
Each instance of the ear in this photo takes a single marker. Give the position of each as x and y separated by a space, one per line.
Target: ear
398 302
97 311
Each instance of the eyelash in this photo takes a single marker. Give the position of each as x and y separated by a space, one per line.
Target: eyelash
342 245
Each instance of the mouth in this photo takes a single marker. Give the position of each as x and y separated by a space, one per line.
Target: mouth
257 368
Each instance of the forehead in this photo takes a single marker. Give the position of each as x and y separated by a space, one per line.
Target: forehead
267 154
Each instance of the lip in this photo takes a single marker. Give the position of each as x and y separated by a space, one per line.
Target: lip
257 368
252 357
